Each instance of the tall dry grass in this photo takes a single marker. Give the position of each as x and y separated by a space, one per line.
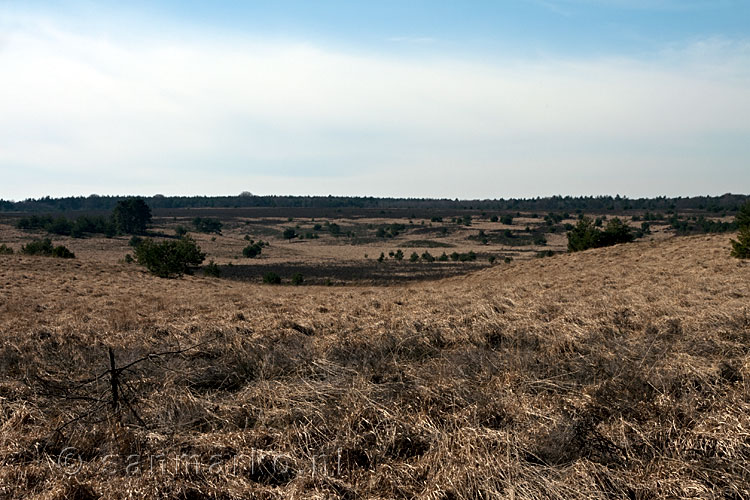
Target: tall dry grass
611 373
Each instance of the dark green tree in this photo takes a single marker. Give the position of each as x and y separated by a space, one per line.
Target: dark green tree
743 216
169 258
131 216
584 235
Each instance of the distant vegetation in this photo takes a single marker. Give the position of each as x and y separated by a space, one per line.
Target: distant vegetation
207 225
713 204
45 247
741 246
170 258
586 235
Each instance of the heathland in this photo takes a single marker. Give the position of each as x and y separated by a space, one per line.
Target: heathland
617 372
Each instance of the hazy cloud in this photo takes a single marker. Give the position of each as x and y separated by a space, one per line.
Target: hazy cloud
199 115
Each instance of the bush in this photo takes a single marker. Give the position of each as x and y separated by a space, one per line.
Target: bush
414 257
38 247
741 246
398 255
289 233
583 236
169 258
180 231
297 279
207 225
427 257
253 250
45 247
135 241
271 278
212 269
742 219
507 219
616 232
62 252
5 250
131 216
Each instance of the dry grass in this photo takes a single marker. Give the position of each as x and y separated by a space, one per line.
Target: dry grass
617 372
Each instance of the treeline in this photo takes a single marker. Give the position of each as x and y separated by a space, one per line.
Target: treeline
728 203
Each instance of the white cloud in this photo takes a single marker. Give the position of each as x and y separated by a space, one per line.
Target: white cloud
193 114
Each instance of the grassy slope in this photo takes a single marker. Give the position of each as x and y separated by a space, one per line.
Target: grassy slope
612 372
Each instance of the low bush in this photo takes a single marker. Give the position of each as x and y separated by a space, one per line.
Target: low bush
252 250
289 233
212 269
427 257
45 247
414 257
741 246
297 279
5 250
169 258
207 225
271 278
586 235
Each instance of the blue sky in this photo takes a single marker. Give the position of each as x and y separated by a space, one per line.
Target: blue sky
411 98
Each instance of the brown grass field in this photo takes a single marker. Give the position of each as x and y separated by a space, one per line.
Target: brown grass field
619 372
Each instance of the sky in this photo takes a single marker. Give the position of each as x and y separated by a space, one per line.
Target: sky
410 98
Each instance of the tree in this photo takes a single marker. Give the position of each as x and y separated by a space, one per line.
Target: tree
131 216
743 216
616 232
584 235
169 258
741 246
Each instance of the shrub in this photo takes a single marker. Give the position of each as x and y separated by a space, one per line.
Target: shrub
493 218
135 241
253 250
616 232
414 257
427 257
5 250
507 219
62 252
38 247
297 279
207 225
741 246
271 278
492 259
742 219
398 255
129 259
289 233
131 216
169 258
212 269
381 258
467 257
45 247
180 231
443 257
508 260
583 236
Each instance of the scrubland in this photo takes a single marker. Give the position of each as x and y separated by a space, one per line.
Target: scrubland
618 372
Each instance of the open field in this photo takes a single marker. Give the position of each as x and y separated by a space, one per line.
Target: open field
615 372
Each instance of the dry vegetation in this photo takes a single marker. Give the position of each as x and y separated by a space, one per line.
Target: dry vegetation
612 373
